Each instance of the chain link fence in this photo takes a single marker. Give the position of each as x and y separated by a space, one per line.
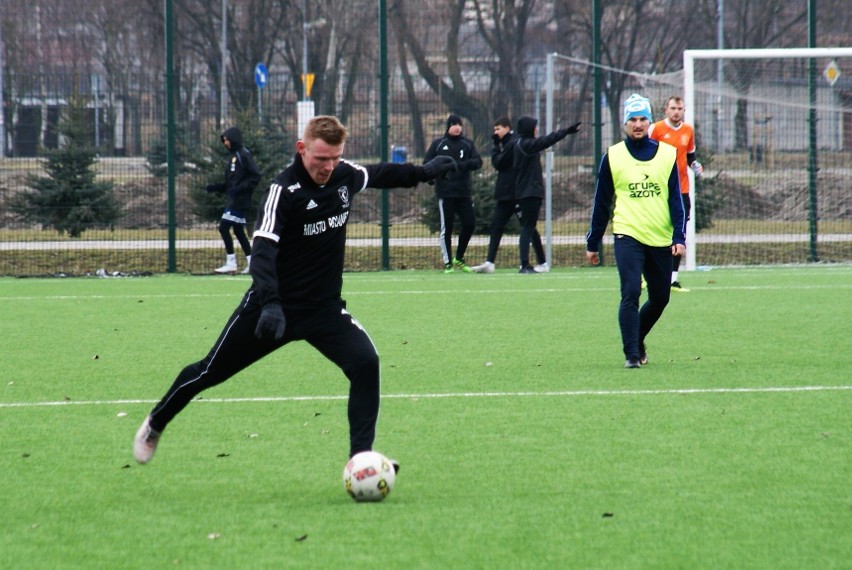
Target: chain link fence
124 126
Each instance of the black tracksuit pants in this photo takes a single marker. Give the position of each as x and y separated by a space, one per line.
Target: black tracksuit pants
530 208
635 259
503 211
448 207
330 329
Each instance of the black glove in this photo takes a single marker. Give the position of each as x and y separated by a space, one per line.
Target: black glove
437 167
270 325
496 138
573 129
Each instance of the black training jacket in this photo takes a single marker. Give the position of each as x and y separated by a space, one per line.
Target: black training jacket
502 157
529 182
300 234
241 173
463 151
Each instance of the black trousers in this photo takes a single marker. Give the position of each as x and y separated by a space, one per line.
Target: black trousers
503 210
225 227
633 260
331 330
448 208
530 208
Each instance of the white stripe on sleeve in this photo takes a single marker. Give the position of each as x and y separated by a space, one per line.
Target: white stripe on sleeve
360 169
267 227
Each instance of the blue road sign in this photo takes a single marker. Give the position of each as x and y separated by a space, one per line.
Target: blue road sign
261 75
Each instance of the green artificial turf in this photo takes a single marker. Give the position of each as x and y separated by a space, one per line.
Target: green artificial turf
524 442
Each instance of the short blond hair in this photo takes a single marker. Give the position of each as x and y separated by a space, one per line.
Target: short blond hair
327 128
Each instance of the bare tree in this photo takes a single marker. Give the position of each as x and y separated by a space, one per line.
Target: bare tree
756 24
304 42
344 44
476 56
446 79
253 28
503 24
834 23
415 112
126 53
624 29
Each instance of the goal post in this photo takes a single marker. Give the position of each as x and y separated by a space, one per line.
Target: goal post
786 91
773 129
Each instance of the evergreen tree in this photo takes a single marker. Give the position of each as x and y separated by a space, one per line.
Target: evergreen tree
710 190
69 199
156 161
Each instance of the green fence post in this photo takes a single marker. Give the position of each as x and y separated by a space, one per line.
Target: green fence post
383 122
812 135
170 136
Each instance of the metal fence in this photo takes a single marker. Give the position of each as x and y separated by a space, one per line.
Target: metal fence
126 127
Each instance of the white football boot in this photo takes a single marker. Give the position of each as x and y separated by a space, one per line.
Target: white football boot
146 442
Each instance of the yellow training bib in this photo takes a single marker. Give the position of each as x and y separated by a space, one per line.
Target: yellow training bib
642 194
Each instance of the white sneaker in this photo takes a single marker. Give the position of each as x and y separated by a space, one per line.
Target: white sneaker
230 264
248 264
542 267
486 267
146 442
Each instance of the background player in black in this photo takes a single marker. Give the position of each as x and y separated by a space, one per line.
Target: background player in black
529 182
241 177
297 277
454 192
505 204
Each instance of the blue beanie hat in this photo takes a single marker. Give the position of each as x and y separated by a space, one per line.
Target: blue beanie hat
637 106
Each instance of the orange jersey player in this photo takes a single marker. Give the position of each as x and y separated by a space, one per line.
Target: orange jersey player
674 131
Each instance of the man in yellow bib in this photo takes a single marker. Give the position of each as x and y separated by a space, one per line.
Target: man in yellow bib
638 182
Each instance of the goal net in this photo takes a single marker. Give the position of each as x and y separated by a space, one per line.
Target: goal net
773 131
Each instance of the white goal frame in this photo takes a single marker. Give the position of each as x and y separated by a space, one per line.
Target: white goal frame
689 57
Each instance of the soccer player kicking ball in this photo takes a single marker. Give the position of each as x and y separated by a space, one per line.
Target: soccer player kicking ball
297 276
639 176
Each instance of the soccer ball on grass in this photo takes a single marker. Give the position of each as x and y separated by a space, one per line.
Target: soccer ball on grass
369 476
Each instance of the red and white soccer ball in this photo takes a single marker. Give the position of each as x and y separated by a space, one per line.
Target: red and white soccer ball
369 476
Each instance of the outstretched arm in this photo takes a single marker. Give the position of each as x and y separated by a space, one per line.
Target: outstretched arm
390 175
547 141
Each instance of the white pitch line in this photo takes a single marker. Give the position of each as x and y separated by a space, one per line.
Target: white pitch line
495 291
567 393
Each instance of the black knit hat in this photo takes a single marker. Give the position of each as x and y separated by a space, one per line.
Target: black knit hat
453 120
